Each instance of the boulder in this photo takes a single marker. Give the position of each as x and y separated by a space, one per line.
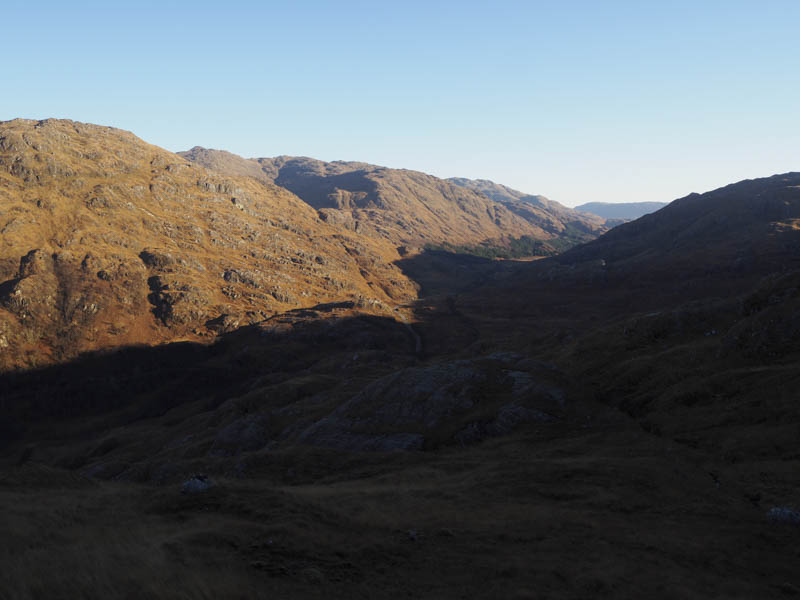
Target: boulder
197 484
783 514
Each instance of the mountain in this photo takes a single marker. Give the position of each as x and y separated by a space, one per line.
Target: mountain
408 208
620 210
108 241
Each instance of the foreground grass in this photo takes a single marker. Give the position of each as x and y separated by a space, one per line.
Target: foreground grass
564 513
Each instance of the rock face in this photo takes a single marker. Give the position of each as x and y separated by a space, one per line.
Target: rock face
418 407
243 435
508 418
196 485
108 241
408 207
782 514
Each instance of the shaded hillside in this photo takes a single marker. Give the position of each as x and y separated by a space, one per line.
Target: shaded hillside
342 465
406 207
622 210
685 319
747 228
107 240
720 245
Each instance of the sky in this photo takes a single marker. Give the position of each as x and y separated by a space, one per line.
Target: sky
612 101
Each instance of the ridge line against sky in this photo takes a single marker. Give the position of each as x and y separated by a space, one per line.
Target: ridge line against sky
580 102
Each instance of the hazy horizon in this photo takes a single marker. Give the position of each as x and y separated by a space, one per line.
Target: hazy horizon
581 102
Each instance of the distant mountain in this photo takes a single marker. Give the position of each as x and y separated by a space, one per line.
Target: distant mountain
536 207
622 210
408 207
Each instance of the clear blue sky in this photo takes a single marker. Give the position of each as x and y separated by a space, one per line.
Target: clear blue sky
580 101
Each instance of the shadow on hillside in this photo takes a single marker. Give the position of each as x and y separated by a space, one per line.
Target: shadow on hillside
439 272
325 191
144 382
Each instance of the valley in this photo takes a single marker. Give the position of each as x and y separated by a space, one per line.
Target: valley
374 418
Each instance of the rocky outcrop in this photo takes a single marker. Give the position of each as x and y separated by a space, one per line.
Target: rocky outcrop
176 302
197 484
32 294
508 418
421 407
243 435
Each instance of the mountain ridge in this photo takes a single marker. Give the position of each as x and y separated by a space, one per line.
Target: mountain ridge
405 206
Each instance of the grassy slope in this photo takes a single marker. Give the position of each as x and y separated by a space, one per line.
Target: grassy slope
569 512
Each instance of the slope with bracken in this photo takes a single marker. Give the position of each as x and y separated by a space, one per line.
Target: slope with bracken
107 241
406 207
